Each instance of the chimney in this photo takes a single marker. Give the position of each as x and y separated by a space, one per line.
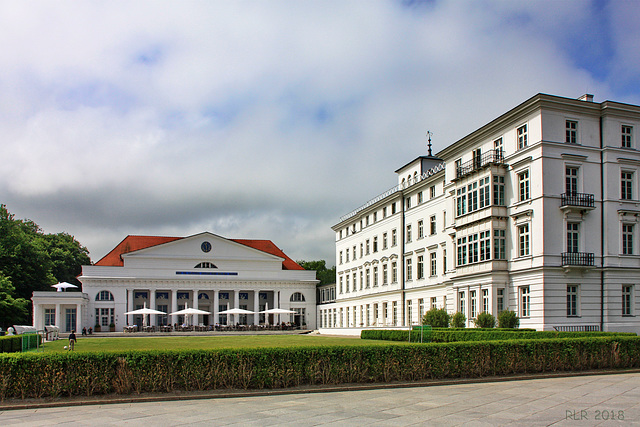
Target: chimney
587 97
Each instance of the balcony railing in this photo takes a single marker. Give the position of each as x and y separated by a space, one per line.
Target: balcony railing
585 259
577 199
490 157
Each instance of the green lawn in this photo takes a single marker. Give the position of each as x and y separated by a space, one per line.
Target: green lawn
207 342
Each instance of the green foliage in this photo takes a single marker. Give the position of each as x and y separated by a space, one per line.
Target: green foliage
437 318
508 319
10 344
458 320
50 375
33 261
325 275
485 320
443 335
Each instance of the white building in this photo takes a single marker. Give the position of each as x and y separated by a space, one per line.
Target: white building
536 212
203 271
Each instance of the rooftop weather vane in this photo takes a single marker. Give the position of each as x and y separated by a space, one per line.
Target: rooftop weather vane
429 133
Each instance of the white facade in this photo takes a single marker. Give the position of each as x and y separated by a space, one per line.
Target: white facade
535 212
203 271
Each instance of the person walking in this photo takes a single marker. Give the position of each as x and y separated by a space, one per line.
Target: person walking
72 340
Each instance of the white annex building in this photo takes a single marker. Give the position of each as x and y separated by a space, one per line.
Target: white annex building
537 212
204 271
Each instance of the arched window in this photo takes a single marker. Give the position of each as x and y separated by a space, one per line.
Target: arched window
104 296
297 296
205 265
202 295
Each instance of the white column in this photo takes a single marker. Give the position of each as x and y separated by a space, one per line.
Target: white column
78 318
214 309
196 317
174 306
236 304
256 306
58 324
129 306
152 303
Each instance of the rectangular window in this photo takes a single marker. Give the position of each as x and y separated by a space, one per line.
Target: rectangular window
384 241
340 257
500 300
461 302
366 246
572 300
375 277
473 248
409 312
409 270
499 244
346 285
627 298
523 181
444 261
355 282
408 202
394 272
420 197
462 250
474 304
393 208
375 244
497 146
421 267
361 279
347 255
434 302
485 300
368 278
498 191
394 237
484 192
461 201
432 225
395 313
385 269
572 237
523 239
627 239
340 287
375 216
472 197
627 135
432 191
384 212
525 302
408 232
522 137
420 229
571 134
626 183
50 316
433 264
421 308
485 245
571 180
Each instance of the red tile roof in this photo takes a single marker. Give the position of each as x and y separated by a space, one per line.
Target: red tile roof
136 243
130 244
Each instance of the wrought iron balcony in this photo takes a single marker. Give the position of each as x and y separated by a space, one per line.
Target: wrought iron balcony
490 157
581 200
579 259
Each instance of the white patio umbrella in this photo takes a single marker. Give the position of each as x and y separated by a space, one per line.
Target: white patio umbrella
144 311
189 311
62 286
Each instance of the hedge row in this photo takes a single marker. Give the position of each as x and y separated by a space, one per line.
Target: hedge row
10 344
454 335
38 375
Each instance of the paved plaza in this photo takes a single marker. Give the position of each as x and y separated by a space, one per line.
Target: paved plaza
576 400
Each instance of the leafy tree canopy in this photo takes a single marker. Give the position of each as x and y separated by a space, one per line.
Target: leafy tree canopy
324 274
33 261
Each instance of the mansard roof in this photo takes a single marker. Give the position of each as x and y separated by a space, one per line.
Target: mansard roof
136 243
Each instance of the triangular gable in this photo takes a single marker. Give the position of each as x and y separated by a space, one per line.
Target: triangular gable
269 247
131 244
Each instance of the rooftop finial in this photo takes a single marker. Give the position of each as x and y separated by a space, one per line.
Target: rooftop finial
429 133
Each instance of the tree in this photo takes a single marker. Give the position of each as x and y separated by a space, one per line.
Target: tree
12 311
458 320
326 275
436 318
485 320
33 261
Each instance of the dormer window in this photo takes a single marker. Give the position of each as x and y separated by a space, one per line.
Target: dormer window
205 265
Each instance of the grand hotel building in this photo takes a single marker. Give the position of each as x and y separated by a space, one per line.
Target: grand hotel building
536 212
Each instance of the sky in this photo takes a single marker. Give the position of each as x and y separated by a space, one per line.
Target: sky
269 119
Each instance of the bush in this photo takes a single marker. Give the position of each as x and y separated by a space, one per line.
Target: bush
436 318
508 319
11 344
459 320
485 320
49 375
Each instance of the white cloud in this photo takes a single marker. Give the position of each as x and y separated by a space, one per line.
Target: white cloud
264 119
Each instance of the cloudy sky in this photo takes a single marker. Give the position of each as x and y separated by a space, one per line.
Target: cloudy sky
269 119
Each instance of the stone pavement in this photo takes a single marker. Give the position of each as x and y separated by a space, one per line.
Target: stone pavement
575 400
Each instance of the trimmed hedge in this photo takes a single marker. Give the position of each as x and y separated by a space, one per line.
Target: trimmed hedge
10 344
461 334
38 375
